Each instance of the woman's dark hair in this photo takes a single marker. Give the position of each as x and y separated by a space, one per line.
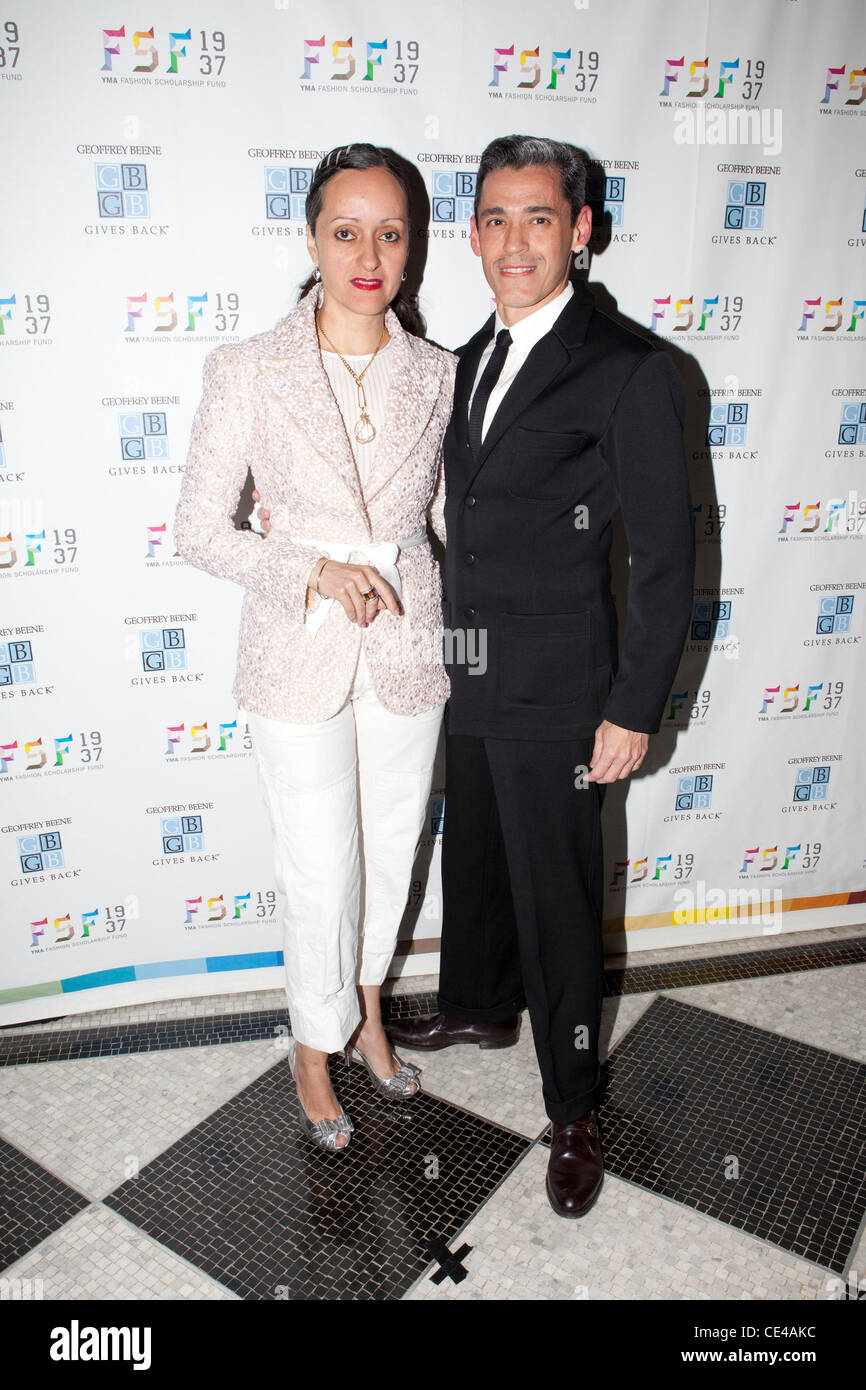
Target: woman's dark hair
362 157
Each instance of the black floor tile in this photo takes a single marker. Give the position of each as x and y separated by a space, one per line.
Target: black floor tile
688 1094
740 965
117 1039
34 1203
250 1201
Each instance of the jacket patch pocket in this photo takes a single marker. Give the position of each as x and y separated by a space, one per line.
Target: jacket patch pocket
544 466
545 659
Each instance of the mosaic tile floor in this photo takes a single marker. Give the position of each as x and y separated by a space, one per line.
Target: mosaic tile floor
153 1153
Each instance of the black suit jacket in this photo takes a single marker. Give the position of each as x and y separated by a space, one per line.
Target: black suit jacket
592 421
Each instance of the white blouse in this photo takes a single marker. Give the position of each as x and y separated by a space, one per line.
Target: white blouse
375 384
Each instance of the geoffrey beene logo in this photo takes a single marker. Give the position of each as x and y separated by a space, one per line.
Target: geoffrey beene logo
656 871
715 316
286 189
795 701
778 859
452 195
744 213
695 793
711 620
811 789
163 649
39 854
544 74
143 435
728 424
121 191
159 649
852 427
834 621
695 784
812 784
182 834
607 197
835 614
18 673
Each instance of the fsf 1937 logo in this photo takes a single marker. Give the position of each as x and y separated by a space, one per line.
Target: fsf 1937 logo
195 58
364 65
567 73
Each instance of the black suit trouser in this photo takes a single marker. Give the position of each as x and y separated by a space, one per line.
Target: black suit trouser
522 881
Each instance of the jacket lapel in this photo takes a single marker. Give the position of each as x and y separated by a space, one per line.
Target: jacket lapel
412 393
550 356
467 370
292 368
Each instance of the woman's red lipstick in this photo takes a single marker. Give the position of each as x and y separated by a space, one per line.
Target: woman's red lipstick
367 284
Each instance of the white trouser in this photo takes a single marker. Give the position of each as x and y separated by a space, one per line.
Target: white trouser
313 777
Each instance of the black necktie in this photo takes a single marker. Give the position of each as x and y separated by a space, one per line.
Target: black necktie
488 380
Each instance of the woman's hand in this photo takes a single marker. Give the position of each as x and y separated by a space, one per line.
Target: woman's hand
345 583
348 584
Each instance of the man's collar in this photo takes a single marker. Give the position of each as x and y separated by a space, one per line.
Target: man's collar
527 331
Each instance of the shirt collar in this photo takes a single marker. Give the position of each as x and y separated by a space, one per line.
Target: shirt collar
527 332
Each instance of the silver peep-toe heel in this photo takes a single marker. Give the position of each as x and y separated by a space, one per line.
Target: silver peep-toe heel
392 1087
322 1132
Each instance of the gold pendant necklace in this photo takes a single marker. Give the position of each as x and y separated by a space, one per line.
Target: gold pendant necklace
365 430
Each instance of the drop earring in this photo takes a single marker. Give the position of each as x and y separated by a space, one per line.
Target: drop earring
317 274
403 276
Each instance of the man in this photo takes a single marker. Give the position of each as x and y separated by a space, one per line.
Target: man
561 416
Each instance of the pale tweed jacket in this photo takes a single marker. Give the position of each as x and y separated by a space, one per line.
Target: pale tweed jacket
268 405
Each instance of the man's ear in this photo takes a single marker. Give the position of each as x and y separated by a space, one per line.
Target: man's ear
582 228
473 236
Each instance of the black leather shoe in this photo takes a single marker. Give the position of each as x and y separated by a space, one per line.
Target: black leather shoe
435 1031
575 1169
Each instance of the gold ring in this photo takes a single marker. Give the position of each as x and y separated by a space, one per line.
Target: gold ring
366 597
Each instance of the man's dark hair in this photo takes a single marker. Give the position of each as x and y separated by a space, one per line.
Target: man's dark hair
519 151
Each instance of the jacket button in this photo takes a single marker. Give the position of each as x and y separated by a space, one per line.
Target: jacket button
470 612
470 501
469 558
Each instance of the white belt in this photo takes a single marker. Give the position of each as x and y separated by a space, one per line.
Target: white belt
381 554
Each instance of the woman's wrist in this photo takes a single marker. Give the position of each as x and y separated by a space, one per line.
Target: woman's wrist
316 574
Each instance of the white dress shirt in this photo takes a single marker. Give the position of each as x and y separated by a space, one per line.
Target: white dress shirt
524 335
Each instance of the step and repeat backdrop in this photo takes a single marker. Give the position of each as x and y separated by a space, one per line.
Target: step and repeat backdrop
156 158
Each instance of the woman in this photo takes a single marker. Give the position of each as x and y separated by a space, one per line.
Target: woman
340 413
